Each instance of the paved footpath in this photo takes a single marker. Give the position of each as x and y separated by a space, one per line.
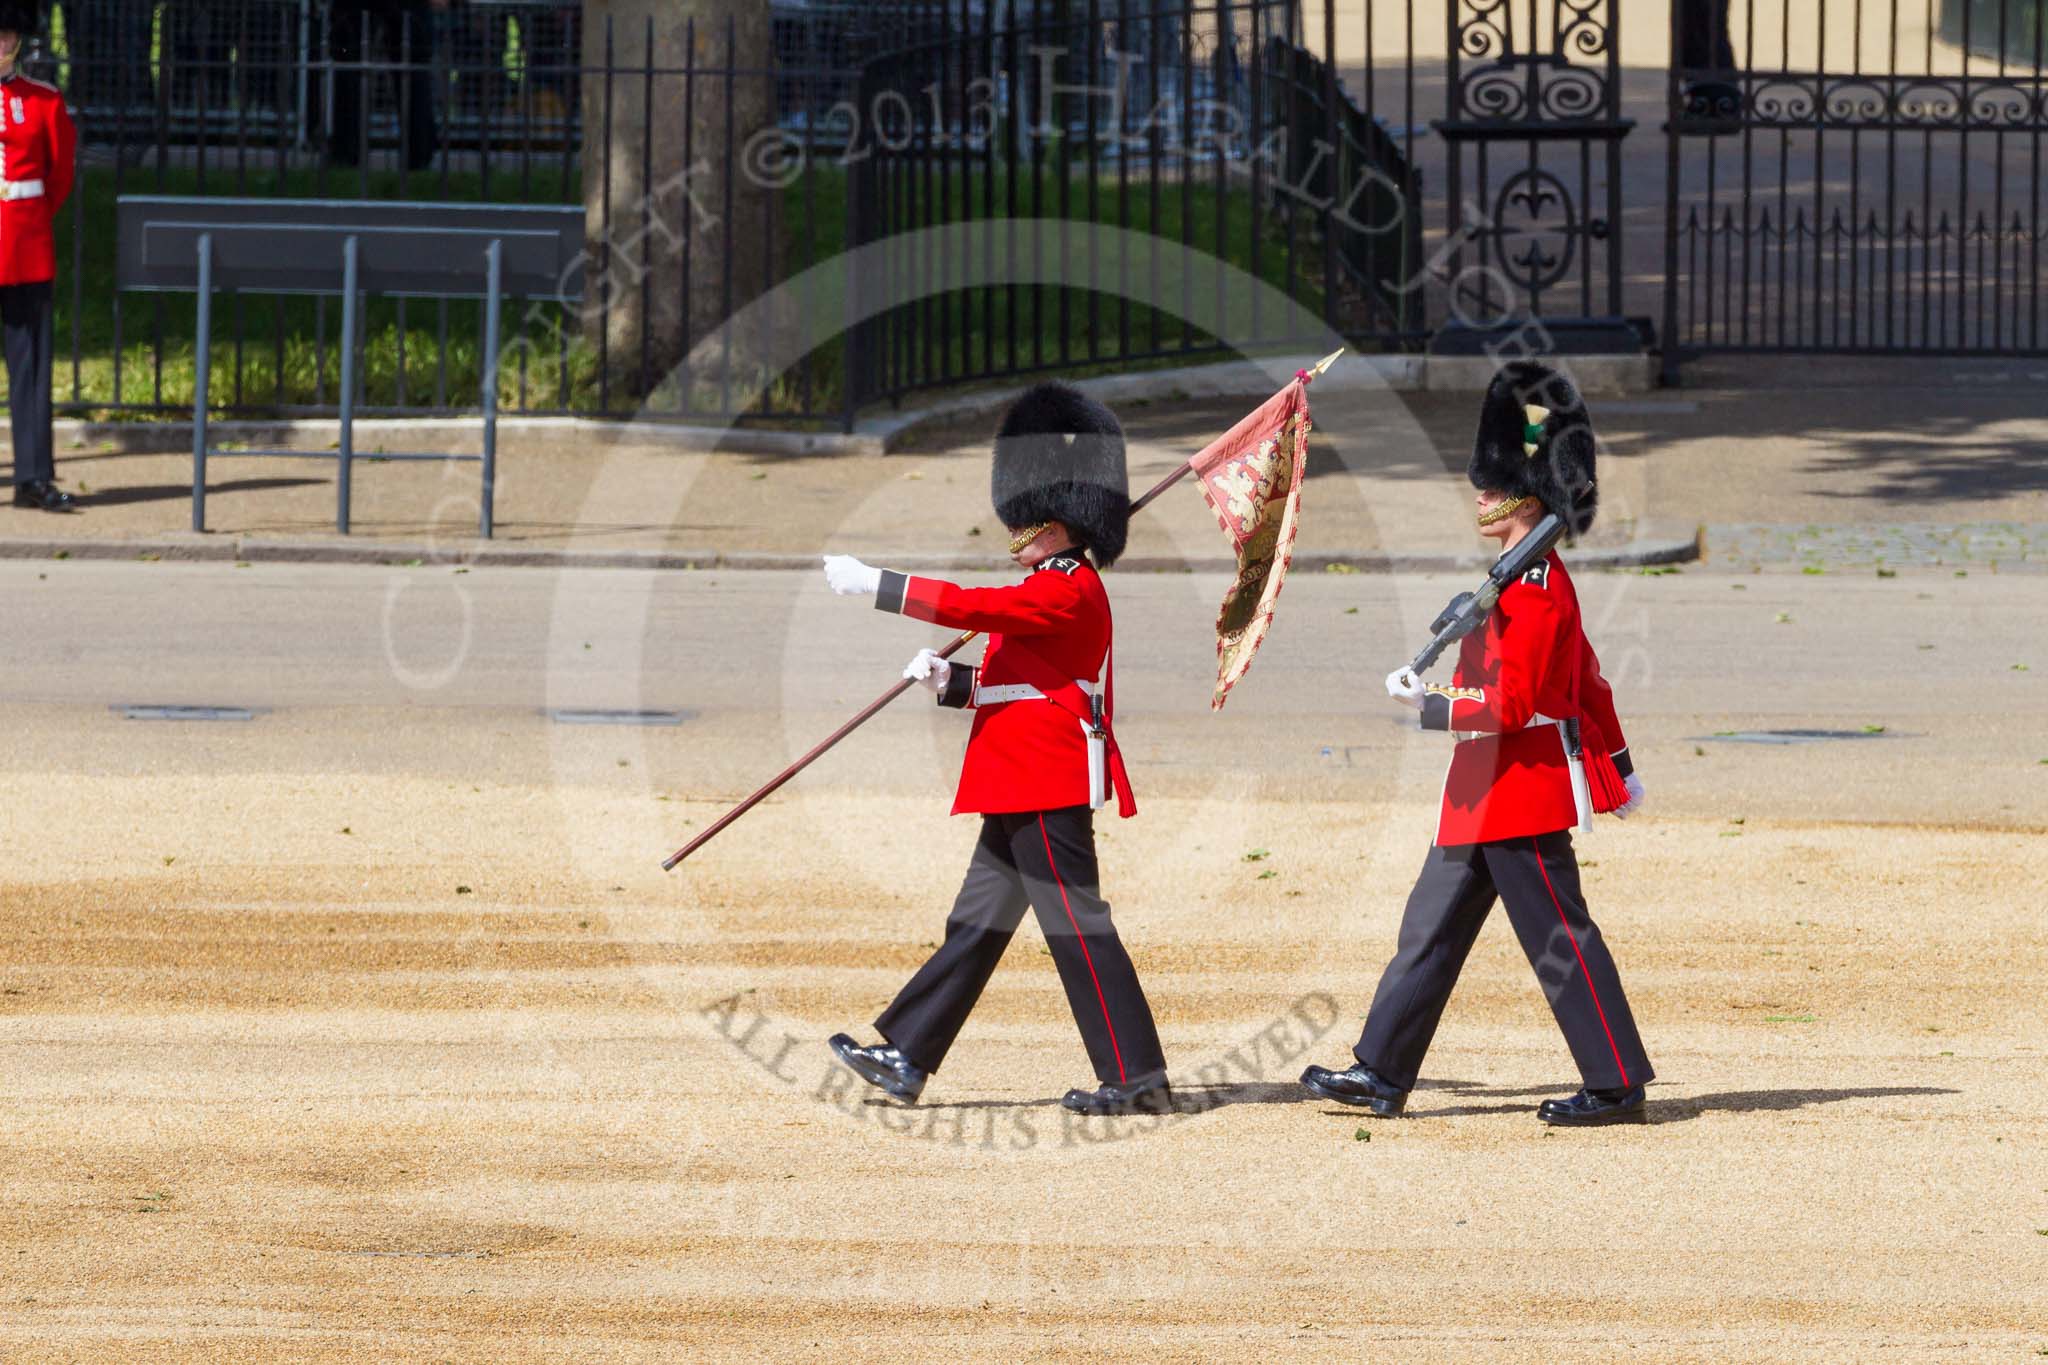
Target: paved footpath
1815 463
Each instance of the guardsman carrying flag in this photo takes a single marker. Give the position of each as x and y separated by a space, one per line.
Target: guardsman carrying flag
1538 750
1041 758
37 147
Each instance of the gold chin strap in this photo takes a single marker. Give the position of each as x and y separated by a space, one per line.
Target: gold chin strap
1501 511
1023 538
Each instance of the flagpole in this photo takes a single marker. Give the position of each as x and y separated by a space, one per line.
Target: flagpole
902 685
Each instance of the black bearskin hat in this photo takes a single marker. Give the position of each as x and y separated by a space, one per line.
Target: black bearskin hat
1060 457
1560 472
23 19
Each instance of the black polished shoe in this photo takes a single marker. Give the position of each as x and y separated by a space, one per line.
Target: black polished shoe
883 1067
1151 1096
1591 1108
1357 1085
43 496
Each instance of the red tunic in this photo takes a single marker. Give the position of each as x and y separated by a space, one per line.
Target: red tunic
37 147
1530 666
1028 754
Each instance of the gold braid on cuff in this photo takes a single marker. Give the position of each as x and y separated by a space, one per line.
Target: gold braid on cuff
1022 540
1500 511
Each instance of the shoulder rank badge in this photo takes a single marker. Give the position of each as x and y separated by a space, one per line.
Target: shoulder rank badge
1539 576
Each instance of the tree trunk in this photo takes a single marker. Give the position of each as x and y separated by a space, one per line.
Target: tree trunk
679 235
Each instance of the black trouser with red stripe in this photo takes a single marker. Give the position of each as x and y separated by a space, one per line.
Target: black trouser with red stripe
1045 860
1538 878
25 325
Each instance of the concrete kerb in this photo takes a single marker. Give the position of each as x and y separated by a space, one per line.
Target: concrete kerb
885 434
1657 547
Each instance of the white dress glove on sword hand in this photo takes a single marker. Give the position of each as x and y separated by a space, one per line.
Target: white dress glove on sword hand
929 669
1634 804
1404 687
850 578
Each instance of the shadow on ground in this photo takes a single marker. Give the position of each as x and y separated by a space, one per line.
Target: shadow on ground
1202 1099
1678 1109
174 492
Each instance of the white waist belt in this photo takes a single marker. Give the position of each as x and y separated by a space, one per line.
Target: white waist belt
21 189
1002 692
1465 736
989 696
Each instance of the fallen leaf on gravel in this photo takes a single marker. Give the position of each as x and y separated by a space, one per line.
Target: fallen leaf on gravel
1258 854
464 891
1362 1135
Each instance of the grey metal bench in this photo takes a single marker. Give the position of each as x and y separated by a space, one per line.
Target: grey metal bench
350 248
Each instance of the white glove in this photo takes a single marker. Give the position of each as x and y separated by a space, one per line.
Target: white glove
928 668
851 578
1404 687
1634 803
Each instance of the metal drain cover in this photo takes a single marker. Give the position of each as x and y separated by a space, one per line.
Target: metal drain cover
561 716
187 712
1791 736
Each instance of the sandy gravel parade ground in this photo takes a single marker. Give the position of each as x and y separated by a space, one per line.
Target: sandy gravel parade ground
367 1027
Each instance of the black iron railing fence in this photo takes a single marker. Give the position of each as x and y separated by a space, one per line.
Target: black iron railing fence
1152 133
490 101
717 162
1393 184
1861 177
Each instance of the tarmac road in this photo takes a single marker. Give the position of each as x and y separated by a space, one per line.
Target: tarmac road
430 672
368 1028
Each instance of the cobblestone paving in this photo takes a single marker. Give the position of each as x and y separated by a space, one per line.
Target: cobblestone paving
2003 546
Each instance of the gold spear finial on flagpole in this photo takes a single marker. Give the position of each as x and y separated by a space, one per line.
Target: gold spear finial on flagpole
1327 361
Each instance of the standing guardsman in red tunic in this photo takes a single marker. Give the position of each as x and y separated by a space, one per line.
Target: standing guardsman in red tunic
1525 707
1041 758
37 146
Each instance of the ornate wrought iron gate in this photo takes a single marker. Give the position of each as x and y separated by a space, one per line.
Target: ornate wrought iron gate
1856 176
1533 130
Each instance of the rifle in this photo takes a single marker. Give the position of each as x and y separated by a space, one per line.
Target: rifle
1468 610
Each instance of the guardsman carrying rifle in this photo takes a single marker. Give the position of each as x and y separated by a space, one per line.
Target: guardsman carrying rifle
1041 758
1538 750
